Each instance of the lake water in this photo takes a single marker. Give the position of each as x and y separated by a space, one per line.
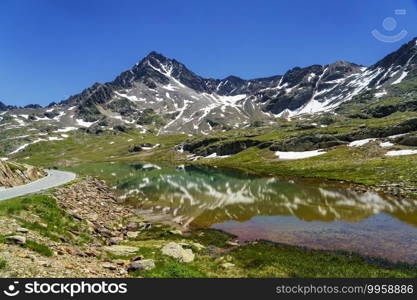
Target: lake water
313 214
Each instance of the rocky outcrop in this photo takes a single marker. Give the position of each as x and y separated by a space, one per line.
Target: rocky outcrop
178 252
408 140
204 147
226 148
13 174
307 142
381 111
93 201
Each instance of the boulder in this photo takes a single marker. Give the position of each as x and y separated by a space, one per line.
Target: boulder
132 234
145 264
176 251
22 230
115 240
16 239
131 226
121 250
409 141
228 265
307 142
108 265
226 148
175 231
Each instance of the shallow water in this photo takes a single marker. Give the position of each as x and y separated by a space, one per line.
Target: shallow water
316 214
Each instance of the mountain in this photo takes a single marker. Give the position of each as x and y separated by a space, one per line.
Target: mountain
177 99
191 103
162 95
3 106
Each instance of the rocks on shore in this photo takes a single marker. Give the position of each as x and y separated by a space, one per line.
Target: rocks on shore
178 252
95 203
120 250
145 264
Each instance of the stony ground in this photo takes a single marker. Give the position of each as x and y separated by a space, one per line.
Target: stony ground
99 236
93 204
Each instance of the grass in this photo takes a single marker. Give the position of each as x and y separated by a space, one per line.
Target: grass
39 248
267 260
3 264
170 268
87 154
91 155
32 245
81 147
365 165
273 260
53 221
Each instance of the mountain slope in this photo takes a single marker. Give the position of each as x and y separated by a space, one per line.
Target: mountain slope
162 95
190 103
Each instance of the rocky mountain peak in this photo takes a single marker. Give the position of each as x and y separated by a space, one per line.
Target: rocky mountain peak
3 106
340 69
404 56
300 75
163 93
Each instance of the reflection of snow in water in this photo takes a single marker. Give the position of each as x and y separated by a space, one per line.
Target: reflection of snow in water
252 207
216 196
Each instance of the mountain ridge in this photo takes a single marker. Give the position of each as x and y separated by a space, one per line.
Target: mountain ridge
162 95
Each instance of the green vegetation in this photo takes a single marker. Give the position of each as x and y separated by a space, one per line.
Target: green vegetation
39 248
3 264
93 154
149 117
53 222
344 163
265 259
212 249
82 148
271 260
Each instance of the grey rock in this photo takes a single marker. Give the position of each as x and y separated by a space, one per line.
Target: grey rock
178 252
132 234
108 265
16 239
120 250
131 226
145 264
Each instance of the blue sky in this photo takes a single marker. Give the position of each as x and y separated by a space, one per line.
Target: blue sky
51 49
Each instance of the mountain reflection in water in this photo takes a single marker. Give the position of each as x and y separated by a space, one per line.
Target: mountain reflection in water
202 197
317 215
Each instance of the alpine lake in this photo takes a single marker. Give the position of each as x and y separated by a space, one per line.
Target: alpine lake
309 213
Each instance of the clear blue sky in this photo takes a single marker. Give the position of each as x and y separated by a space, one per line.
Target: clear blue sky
51 49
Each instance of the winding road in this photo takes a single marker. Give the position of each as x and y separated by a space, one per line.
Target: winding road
54 178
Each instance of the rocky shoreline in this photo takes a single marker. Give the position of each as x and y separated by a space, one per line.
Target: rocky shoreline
107 225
